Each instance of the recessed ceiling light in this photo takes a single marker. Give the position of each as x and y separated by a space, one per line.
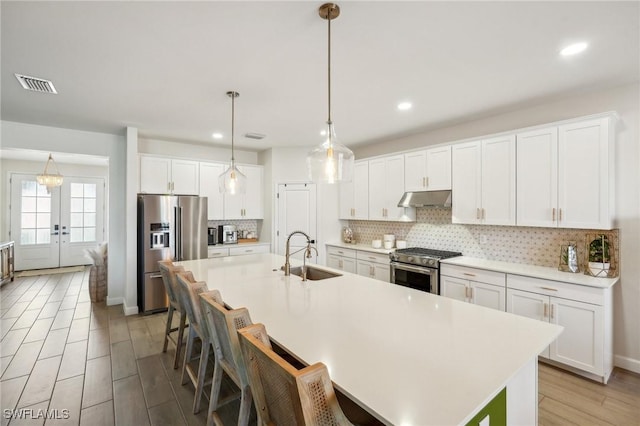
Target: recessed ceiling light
217 135
573 49
403 106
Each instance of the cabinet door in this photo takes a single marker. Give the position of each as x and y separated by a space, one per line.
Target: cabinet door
438 168
365 269
382 272
209 173
537 177
465 183
253 204
394 188
377 184
415 171
454 288
581 344
361 191
487 295
233 205
185 177
583 175
349 265
155 175
499 181
530 305
333 261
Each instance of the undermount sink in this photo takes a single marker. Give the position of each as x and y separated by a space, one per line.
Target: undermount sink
314 274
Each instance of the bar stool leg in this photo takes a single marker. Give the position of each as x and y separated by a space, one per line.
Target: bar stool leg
176 358
215 392
202 368
245 406
187 355
168 328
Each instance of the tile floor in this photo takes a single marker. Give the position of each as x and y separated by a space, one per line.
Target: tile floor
61 352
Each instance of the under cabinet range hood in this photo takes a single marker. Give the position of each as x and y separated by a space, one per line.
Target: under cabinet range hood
426 199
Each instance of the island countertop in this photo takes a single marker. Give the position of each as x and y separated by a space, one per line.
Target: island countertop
409 357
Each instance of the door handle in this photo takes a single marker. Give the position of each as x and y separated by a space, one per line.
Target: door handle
155 276
54 233
65 233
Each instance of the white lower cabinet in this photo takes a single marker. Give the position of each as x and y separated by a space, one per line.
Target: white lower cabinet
237 250
373 265
585 313
342 259
477 286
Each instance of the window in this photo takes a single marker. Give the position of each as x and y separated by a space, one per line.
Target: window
35 217
83 212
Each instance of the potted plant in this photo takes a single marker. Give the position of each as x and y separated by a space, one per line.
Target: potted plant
599 256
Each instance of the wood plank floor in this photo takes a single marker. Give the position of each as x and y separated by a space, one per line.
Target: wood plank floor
61 352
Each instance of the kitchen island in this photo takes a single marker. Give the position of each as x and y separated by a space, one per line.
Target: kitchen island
407 357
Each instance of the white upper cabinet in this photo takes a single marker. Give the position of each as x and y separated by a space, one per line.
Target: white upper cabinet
484 182
386 187
565 176
250 204
209 173
428 170
354 195
160 175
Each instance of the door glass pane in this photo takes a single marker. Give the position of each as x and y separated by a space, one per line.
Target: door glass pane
76 235
44 220
42 191
89 234
76 190
28 220
44 204
76 220
77 205
90 190
89 219
29 188
29 204
89 204
43 236
27 236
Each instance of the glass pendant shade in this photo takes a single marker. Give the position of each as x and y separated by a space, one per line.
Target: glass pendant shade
330 162
232 181
50 180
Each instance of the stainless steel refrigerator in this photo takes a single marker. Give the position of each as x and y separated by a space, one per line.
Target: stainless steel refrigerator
169 227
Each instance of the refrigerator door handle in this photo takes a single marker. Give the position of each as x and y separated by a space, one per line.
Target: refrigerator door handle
177 233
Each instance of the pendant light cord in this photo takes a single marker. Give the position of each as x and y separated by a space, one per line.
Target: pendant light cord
329 66
233 120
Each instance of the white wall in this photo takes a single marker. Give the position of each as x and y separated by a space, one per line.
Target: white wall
44 138
193 151
625 101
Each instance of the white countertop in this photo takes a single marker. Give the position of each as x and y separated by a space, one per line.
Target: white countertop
411 357
543 272
363 247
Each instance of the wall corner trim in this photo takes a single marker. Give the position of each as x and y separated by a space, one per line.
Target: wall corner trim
627 363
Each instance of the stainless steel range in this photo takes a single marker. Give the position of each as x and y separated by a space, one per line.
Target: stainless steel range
418 267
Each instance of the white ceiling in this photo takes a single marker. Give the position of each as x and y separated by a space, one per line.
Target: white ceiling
164 67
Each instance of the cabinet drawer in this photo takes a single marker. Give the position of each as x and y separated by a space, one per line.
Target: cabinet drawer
339 251
217 252
372 257
580 293
473 274
239 251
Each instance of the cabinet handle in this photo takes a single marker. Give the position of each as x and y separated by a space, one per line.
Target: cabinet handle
371 271
248 251
478 213
470 293
340 251
468 274
168 186
340 263
553 214
549 288
546 311
424 182
466 292
560 215
552 311
427 179
372 258
483 215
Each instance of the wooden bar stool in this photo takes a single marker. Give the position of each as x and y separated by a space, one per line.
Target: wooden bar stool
189 291
223 325
169 271
284 395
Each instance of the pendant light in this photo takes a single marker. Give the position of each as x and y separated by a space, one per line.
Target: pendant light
232 181
330 162
50 180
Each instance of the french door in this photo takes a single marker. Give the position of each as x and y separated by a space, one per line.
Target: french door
52 230
296 212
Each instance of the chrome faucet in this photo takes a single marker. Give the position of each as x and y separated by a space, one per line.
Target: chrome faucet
307 254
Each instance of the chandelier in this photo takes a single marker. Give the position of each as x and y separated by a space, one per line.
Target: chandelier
50 180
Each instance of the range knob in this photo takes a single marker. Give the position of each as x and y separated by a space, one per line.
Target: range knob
410 259
432 262
393 256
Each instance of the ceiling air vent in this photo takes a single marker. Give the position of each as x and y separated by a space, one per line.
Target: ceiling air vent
254 136
36 84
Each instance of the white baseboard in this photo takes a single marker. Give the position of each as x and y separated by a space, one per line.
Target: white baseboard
627 363
129 310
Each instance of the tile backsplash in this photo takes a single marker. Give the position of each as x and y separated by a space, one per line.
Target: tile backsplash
517 244
245 225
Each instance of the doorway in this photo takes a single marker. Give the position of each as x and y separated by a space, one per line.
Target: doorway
54 229
296 211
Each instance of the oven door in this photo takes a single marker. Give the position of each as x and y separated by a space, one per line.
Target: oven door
418 277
